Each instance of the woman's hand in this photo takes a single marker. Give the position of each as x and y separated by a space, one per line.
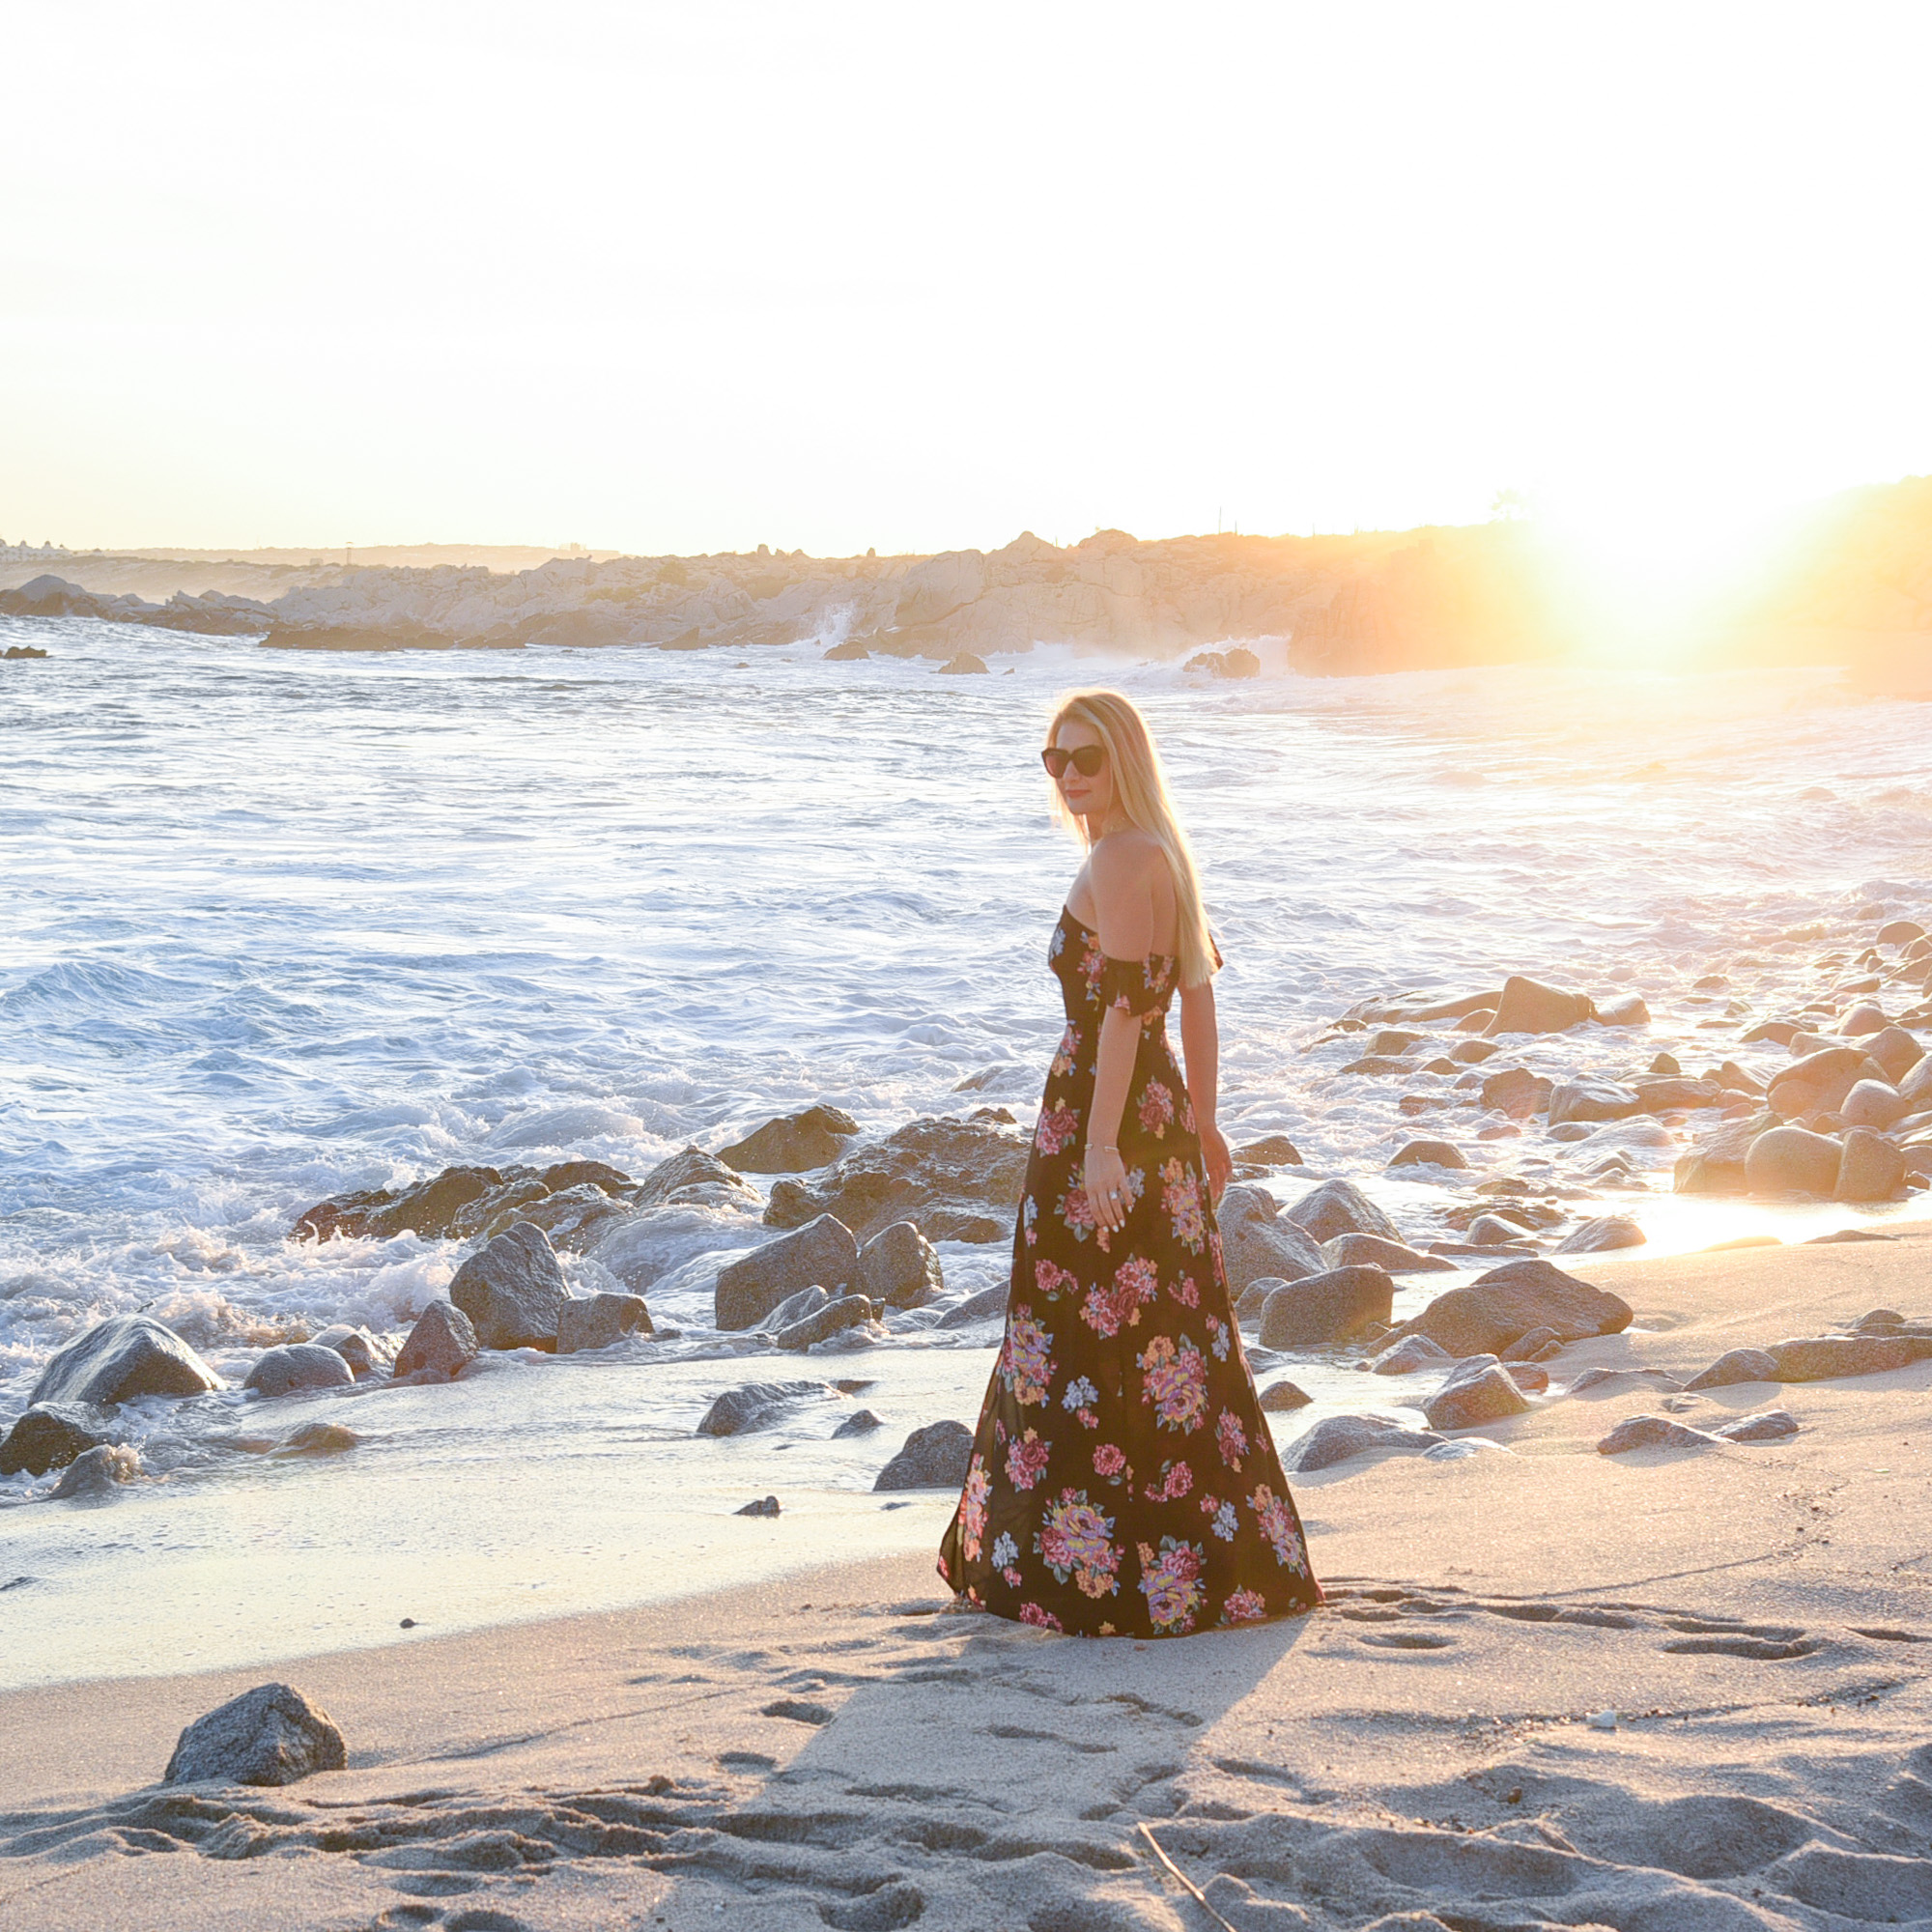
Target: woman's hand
1105 1177
1217 1160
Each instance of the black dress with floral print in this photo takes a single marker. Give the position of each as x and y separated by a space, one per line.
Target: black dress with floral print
1122 1479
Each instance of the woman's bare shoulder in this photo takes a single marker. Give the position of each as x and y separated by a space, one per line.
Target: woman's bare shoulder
1125 858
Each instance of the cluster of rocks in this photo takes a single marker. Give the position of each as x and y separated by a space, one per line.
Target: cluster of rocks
211 614
14 652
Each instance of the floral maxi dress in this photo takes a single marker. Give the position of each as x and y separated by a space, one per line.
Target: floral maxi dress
1122 1480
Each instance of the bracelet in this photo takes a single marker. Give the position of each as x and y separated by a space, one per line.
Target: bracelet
1101 1146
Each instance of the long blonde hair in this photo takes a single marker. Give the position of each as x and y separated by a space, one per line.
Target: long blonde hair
1139 791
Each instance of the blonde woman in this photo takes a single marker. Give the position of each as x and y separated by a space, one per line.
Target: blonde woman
1124 1482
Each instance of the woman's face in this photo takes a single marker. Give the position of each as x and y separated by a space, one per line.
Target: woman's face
1090 798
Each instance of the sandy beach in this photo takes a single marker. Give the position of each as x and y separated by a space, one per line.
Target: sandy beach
1663 1691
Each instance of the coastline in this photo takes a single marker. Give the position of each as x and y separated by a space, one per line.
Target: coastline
806 1751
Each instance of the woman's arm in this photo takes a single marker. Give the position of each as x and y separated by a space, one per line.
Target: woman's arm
1201 1054
1122 875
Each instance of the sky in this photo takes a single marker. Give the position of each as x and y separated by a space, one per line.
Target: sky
834 276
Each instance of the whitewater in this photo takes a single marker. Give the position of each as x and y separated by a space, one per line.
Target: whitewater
279 925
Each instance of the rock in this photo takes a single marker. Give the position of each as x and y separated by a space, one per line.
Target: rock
1623 1378
792 1143
1896 1052
1376 1067
1428 1153
1819 1081
1863 1020
1671 1096
1473 1052
119 1359
1716 1165
49 1435
959 1181
1539 1345
1258 1243
440 1343
597 1321
1626 1009
795 1308
316 1439
1820 1358
1872 1104
691 1177
1340 1207
1372 1251
1869 1169
360 1349
1321 1310
764 1506
847 652
847 1312
17 652
965 664
1737 1365
1394 1041
755 1406
1281 1397
1592 1101
431 1208
861 1423
898 1268
1406 1357
1654 1432
1666 1063
1477 1390
1270 1151
269 1735
822 1253
1601 1234
1899 932
1769 1425
1529 1006
1341 1439
299 1365
1488 1315
988 1305
1516 1091
513 1291
1792 1160
98 1472
1492 1231
934 1458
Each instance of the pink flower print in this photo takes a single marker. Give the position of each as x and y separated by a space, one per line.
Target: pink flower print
1156 1109
1187 1124
1093 963
1176 1480
1136 1282
1171 1583
1029 1216
1186 1292
1075 1210
1231 1438
1056 1130
1026 1461
973 1506
1278 1525
1175 1380
1245 1607
1076 1540
1080 1397
1064 1060
1088 1418
1109 1459
1051 1279
1026 1361
1181 1198
1031 1613
1011 1576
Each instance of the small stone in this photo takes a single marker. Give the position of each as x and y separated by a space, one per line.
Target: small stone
1473 1052
1283 1395
1602 1234
98 1471
360 1349
1665 1062
934 1458
848 1311
1899 932
861 1423
1491 1231
1413 1352
49 1435
1534 1345
989 1304
318 1439
1864 1019
269 1735
764 1506
440 1343
1270 1151
1258 1243
1896 1051
755 1406
597 1321
1737 1365
1428 1153
1493 1310
1654 1432
1516 1091
1372 1251
1341 1439
966 665
1476 1391
1625 1010
1527 1006
1769 1425
299 1365
1817 1358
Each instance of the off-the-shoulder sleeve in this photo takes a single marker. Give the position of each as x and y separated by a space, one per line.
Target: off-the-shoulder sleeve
1136 987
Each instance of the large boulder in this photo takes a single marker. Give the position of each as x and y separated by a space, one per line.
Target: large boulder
691 1177
1340 1207
1257 1244
1477 1391
1819 1081
1769 1424
1716 1165
442 1344
1372 1251
934 1458
1871 1168
1593 1100
571 1200
1792 1160
756 1406
1341 1439
898 1268
821 1254
1527 1006
299 1365
1487 1316
597 1321
1820 1358
513 1291
119 1359
1737 1365
428 1209
1517 1092
1654 1432
269 1735
792 1143
1321 1310
960 1181
1873 1103
1897 1051
49 1435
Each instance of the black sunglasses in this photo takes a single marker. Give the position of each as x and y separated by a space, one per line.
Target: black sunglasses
1086 760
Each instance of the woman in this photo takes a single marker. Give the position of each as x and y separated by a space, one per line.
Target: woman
1124 1482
